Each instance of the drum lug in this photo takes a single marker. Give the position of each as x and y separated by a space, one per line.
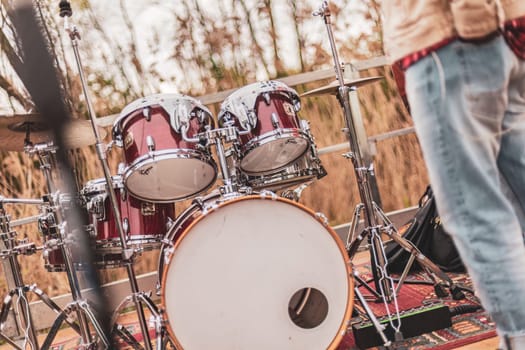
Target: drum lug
205 206
166 242
169 224
275 120
296 102
252 120
266 97
125 226
266 193
295 194
322 218
123 194
150 142
167 255
198 202
305 125
146 112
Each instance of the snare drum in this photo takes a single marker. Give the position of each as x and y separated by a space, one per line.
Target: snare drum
162 164
270 134
54 260
144 223
266 272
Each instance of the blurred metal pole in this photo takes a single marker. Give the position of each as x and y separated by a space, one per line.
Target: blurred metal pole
40 79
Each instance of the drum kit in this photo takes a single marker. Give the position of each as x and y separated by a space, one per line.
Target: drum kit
286 282
214 265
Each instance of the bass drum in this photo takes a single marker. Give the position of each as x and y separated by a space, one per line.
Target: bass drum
255 272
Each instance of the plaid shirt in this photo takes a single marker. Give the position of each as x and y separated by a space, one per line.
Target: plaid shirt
513 32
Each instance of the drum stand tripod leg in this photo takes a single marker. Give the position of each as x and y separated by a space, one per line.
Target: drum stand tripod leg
26 318
377 325
126 336
64 316
161 336
19 292
431 269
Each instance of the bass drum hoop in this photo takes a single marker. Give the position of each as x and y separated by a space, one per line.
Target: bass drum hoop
350 284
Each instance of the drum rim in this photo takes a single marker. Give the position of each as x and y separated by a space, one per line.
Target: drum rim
150 101
264 196
247 96
308 168
145 241
180 153
168 239
269 137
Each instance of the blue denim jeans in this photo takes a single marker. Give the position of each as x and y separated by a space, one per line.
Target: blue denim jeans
468 105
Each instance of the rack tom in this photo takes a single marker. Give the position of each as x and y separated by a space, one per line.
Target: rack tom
270 133
162 164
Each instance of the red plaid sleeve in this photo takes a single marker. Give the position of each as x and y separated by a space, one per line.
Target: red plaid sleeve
514 32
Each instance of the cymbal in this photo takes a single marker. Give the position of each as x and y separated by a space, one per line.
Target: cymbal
13 129
333 87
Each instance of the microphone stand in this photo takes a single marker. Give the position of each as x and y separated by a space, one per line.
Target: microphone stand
127 252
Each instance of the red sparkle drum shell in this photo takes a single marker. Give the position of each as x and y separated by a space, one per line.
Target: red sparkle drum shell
266 272
144 223
160 166
276 138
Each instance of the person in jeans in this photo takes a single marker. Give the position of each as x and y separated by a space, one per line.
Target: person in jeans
464 70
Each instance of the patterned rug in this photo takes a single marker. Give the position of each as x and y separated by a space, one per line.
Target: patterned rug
467 328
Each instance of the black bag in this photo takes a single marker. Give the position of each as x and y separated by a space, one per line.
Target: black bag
428 235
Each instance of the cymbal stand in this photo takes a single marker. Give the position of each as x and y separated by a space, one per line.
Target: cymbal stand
11 249
128 253
378 258
54 227
376 222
